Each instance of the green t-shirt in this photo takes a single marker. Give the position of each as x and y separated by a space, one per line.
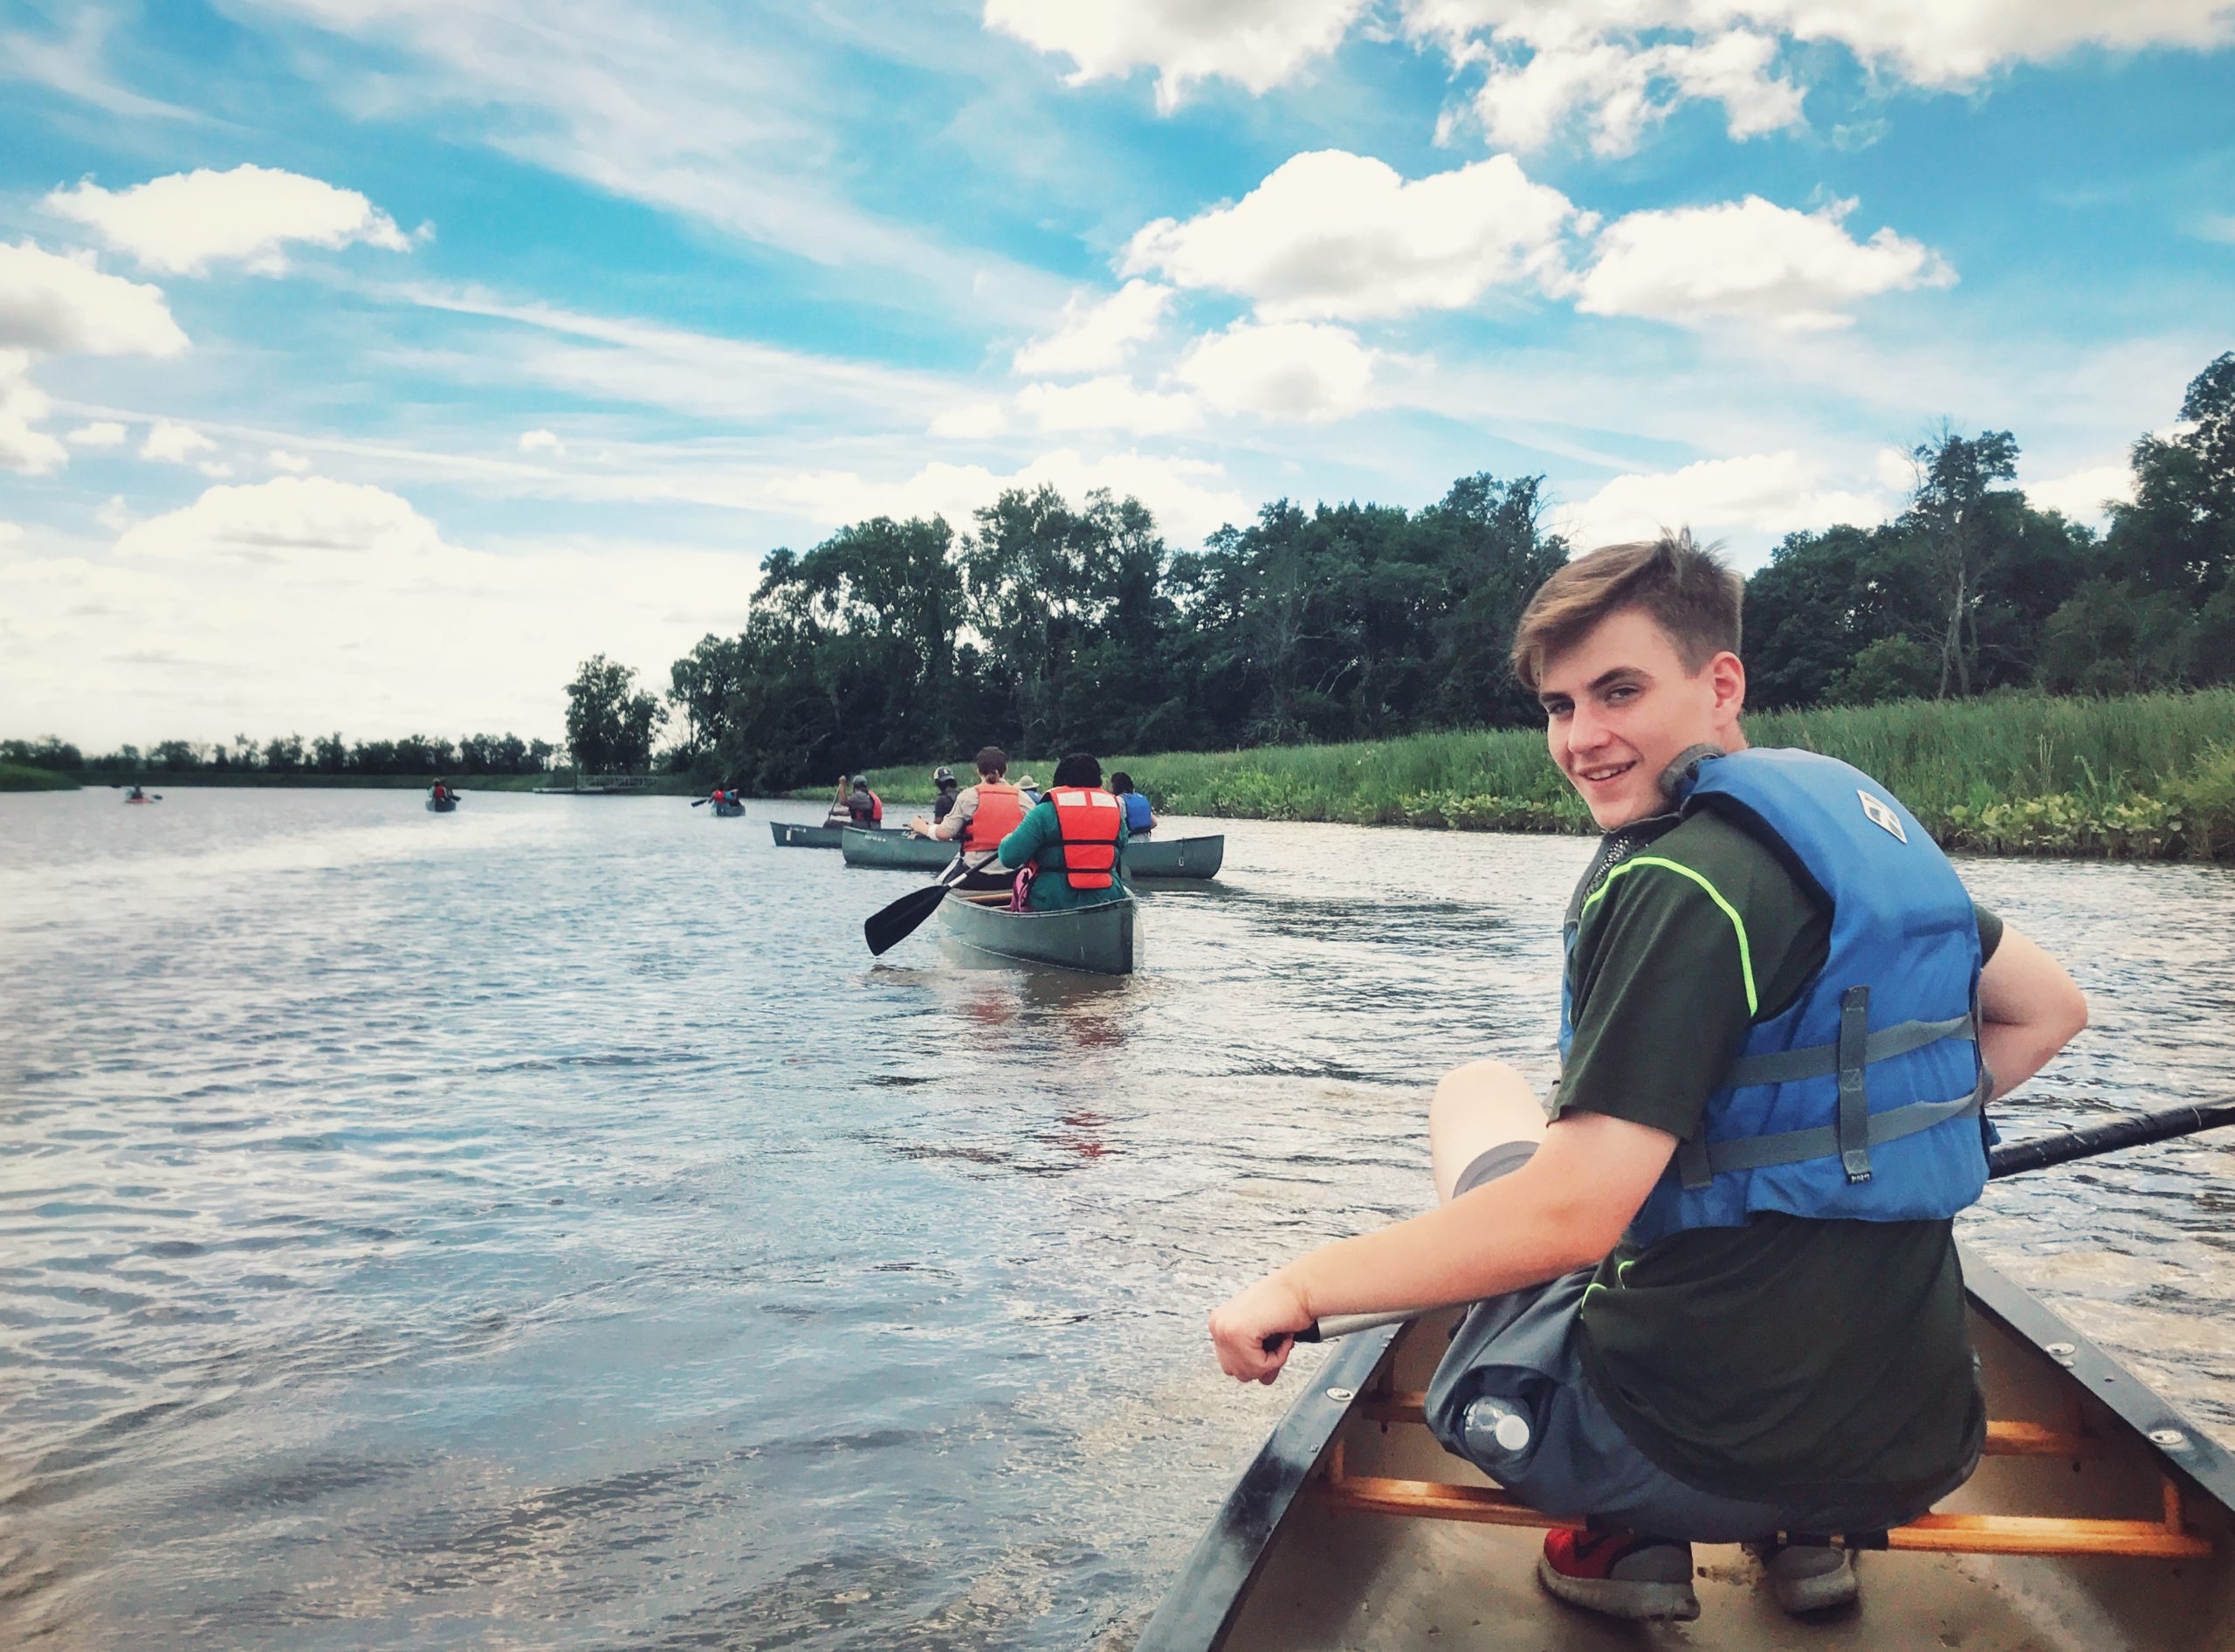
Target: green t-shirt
1039 838
1788 1356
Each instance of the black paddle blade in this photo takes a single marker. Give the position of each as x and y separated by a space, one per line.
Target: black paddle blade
887 929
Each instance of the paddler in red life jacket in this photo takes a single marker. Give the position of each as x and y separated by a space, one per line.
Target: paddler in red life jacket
440 791
1140 821
1717 1298
981 816
1073 839
863 807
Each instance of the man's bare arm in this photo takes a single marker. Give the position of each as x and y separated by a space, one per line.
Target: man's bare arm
2030 1009
1563 1209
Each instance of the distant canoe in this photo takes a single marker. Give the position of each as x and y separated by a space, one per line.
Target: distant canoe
1145 857
728 810
792 834
894 851
441 805
1101 940
1175 857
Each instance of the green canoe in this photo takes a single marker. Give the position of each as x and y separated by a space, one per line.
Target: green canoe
1103 940
729 810
797 835
1145 857
894 851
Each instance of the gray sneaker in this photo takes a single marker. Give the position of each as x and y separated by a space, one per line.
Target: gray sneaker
1807 1576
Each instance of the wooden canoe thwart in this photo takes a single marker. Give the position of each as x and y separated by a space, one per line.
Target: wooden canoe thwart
1101 940
2099 1518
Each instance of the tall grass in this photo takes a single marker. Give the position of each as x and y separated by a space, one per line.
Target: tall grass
22 777
2149 776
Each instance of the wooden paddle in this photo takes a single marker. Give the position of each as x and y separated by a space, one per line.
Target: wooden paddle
888 928
2011 1159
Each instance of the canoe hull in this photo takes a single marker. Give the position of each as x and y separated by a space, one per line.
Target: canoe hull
1099 940
441 806
729 811
1305 1554
793 834
1175 857
894 851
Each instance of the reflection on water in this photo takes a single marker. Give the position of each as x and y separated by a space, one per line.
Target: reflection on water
544 1225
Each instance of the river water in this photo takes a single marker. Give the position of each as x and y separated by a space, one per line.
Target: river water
544 1226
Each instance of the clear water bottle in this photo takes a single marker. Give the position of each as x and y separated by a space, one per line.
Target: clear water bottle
1495 1429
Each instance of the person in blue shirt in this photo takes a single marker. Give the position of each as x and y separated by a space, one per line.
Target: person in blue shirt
1073 840
1140 819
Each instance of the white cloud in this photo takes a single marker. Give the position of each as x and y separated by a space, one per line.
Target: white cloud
311 603
101 433
1291 370
1620 65
115 515
1336 235
10 534
65 306
1750 260
1097 337
1757 493
2083 495
171 443
1258 43
972 421
1188 496
22 448
1623 90
184 223
540 442
1111 403
214 470
293 463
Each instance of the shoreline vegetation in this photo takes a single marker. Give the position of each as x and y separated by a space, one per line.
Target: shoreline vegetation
2143 777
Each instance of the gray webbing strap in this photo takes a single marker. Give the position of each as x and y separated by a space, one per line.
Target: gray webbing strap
1693 1163
1855 1089
1794 1147
1817 1061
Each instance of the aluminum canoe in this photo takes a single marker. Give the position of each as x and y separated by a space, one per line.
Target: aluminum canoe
1144 857
894 851
795 834
2100 1519
1102 940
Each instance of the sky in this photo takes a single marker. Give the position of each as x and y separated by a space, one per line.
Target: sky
367 364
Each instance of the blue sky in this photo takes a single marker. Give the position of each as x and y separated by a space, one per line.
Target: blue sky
364 364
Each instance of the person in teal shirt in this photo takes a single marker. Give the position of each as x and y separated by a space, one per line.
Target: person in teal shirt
1038 841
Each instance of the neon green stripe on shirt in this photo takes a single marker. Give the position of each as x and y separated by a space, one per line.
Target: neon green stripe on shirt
1745 953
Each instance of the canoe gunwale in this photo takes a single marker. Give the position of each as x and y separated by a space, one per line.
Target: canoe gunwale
1212 1586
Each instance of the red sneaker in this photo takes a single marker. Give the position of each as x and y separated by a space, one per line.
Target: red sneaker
1620 1574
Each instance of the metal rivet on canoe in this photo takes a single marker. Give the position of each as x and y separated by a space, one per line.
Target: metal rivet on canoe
1342 1396
2057 1348
2171 1439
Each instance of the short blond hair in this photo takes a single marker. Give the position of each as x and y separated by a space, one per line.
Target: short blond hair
1685 588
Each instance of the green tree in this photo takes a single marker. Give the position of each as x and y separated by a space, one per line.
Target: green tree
610 722
1962 520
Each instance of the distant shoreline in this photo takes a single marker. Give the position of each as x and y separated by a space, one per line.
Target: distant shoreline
160 780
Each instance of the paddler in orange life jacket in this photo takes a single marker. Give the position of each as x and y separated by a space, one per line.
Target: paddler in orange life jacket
982 816
1715 1294
1073 840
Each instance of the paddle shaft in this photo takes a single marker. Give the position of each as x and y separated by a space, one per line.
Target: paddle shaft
2011 1159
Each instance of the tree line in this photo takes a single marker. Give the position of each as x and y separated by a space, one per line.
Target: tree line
1050 625
291 755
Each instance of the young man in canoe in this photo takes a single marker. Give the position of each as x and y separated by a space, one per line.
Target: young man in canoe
1720 1285
981 816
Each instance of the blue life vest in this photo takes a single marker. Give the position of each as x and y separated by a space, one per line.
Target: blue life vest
1138 815
1861 1101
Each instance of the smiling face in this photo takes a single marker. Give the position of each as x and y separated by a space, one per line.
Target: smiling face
1619 707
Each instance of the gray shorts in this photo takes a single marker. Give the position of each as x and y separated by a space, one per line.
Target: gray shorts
1521 1351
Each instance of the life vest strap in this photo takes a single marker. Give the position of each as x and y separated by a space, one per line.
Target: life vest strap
1699 1162
1791 1066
